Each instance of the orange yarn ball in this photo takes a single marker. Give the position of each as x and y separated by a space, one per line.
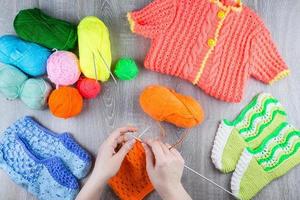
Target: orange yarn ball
65 102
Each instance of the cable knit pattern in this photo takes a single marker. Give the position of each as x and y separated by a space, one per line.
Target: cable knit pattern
48 144
48 179
215 44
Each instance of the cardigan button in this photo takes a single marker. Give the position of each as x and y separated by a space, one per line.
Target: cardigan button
211 42
221 14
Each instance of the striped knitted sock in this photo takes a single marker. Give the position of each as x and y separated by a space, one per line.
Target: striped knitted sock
255 122
277 154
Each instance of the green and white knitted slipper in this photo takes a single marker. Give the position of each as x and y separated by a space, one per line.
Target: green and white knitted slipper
255 122
277 154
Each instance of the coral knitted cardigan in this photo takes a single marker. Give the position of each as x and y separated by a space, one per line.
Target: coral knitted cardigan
215 44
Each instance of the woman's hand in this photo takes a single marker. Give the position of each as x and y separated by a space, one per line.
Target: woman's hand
108 162
165 168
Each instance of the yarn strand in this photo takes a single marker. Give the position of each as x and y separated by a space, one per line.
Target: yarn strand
192 170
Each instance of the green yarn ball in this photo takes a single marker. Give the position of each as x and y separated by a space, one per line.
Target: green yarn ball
11 80
35 92
126 69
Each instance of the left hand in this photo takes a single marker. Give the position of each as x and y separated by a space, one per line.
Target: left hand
108 161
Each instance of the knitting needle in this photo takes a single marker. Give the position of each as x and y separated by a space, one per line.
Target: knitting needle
107 67
197 173
145 131
210 181
95 68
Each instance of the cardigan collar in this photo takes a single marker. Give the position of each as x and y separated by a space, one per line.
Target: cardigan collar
234 5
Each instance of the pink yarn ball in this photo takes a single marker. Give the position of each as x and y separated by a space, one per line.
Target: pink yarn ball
88 88
63 68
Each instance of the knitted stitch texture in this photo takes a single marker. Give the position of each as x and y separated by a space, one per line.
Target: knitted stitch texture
255 122
278 153
48 179
132 181
215 44
48 144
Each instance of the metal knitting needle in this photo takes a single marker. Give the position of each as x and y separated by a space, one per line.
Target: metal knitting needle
145 131
210 181
95 67
107 67
197 173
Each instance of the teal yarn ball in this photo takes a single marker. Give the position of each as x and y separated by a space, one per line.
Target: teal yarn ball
35 92
126 69
11 80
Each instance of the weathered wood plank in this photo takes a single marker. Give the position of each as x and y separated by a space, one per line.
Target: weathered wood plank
118 105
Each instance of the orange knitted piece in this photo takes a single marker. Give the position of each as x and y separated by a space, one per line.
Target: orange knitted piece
164 104
132 181
215 44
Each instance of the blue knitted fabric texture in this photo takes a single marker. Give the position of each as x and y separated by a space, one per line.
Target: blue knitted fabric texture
48 144
48 179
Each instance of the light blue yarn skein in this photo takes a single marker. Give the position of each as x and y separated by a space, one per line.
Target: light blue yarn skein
15 84
11 80
35 92
29 57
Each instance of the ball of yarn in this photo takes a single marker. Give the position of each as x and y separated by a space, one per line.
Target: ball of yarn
65 102
34 93
88 88
11 80
94 48
164 104
126 69
28 57
35 26
63 68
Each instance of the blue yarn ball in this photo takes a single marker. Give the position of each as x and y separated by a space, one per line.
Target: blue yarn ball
29 57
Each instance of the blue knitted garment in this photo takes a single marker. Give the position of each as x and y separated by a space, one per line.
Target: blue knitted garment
48 179
48 144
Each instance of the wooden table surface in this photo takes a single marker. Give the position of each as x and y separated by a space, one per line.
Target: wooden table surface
118 105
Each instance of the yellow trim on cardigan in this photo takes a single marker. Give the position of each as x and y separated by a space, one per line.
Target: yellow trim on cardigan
131 22
280 76
203 64
237 8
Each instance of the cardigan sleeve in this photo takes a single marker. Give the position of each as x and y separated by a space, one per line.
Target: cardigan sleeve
153 19
267 65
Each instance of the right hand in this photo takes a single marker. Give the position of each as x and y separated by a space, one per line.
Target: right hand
165 168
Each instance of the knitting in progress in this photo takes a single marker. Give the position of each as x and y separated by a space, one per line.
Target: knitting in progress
164 104
132 182
46 178
94 48
34 26
214 44
255 122
15 84
277 154
23 55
